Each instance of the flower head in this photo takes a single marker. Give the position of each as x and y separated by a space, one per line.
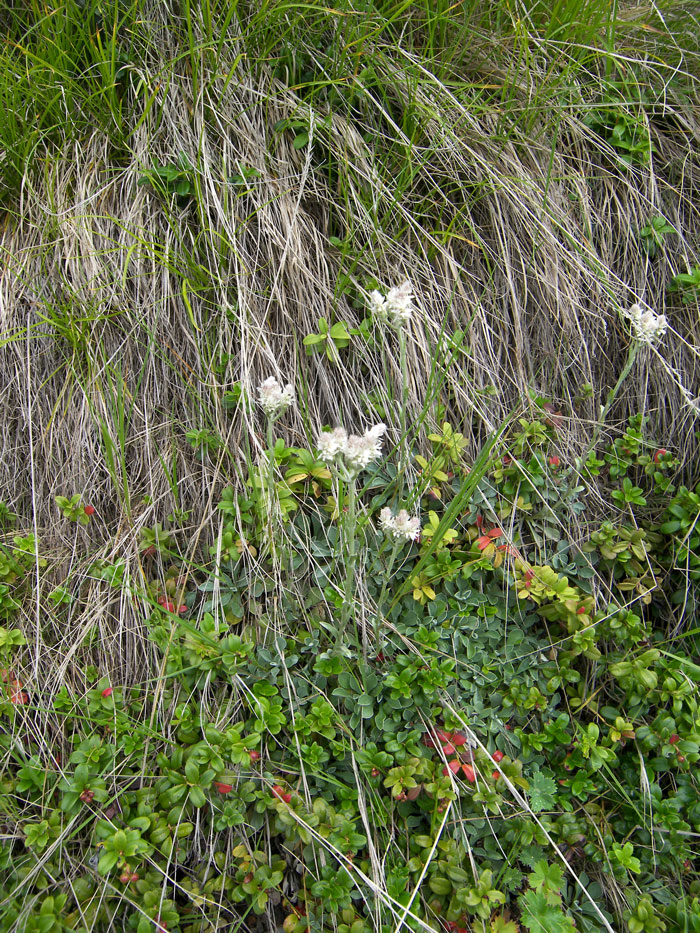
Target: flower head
647 326
361 451
274 399
331 443
396 308
400 526
356 451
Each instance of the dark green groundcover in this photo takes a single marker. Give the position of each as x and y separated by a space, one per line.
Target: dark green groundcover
514 747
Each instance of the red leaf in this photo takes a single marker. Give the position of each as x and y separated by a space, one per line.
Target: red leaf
469 773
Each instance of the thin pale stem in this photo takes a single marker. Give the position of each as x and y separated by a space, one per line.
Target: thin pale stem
270 491
612 395
380 602
403 454
349 521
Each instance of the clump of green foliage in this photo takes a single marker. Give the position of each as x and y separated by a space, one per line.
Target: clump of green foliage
520 734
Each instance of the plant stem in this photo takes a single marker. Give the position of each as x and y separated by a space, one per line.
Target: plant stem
612 395
380 602
270 483
403 453
349 556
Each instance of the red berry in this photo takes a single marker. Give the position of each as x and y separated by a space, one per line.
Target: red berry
166 604
498 756
554 461
134 876
181 610
108 691
469 773
375 772
680 758
125 877
254 754
674 738
659 454
223 788
496 775
89 510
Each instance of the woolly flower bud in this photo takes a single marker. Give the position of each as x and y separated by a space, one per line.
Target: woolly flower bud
331 443
396 308
647 326
274 399
378 305
360 451
357 452
400 526
400 302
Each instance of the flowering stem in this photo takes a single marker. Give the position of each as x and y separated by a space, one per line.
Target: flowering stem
403 455
270 480
387 576
349 557
612 395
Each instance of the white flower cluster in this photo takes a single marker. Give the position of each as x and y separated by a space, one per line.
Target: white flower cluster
647 326
400 526
274 399
357 452
397 307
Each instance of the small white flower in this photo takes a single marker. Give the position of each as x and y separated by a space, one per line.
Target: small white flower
648 327
360 451
357 452
331 443
400 302
400 526
396 308
378 305
273 398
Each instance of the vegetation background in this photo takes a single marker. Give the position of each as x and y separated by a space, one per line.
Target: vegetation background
198 194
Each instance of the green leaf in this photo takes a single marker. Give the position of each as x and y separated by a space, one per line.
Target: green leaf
542 792
439 885
107 862
192 771
541 917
